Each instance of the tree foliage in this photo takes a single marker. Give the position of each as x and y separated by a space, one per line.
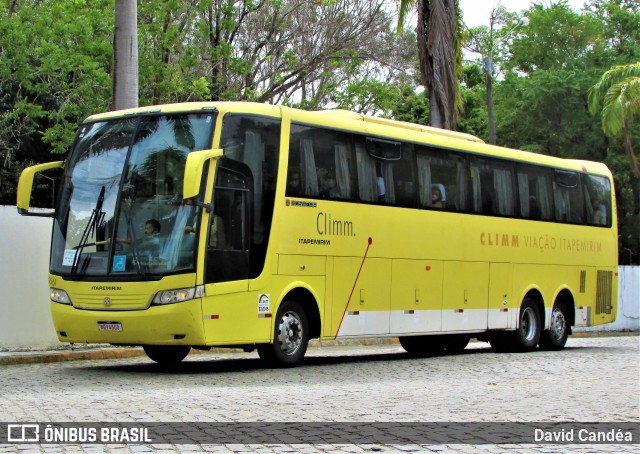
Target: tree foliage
617 95
56 62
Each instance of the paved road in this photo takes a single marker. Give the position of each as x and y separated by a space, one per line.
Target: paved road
593 379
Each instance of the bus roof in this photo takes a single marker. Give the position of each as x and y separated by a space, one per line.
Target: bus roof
401 124
387 127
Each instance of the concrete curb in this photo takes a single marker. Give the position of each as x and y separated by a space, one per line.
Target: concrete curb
12 358
106 352
97 353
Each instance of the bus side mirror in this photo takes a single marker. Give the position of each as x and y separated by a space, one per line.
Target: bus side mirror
25 186
193 170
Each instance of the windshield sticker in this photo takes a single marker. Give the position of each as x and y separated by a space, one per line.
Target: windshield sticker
119 262
69 257
263 302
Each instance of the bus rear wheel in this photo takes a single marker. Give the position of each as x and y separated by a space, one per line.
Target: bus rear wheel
526 336
290 338
167 354
556 336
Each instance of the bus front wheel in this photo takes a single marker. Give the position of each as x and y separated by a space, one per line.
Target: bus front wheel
290 338
167 354
555 337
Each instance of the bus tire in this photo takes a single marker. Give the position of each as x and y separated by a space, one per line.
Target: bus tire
529 328
556 336
422 345
526 336
501 342
456 343
167 354
290 338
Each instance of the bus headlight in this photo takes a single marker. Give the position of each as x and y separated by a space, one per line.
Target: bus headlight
59 296
174 296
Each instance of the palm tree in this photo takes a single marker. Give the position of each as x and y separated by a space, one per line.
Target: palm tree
440 55
617 96
125 55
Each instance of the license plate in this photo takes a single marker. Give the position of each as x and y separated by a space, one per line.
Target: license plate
109 326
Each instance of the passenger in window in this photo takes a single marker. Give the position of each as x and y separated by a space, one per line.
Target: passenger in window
330 189
382 192
294 186
436 197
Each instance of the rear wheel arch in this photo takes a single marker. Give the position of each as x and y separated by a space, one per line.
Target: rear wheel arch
535 296
566 297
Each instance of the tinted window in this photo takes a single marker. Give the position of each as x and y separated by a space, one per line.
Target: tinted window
442 179
493 187
254 142
535 188
568 197
597 194
321 164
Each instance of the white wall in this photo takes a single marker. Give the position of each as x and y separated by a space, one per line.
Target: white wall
25 320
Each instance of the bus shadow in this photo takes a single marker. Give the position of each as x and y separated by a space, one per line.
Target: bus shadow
225 365
200 365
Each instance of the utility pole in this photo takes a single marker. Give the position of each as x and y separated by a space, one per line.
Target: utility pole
486 47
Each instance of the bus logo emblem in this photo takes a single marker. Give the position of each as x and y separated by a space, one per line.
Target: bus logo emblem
107 301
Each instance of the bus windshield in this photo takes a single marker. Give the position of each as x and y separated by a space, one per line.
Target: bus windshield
121 211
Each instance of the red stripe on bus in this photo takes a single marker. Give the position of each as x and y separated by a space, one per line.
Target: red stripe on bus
369 241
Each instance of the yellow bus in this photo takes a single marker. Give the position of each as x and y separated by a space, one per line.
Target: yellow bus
252 226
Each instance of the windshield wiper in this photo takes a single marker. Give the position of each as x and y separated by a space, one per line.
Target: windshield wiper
134 243
95 221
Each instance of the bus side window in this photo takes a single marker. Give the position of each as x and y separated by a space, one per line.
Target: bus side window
493 186
444 173
568 197
597 194
321 163
366 169
535 188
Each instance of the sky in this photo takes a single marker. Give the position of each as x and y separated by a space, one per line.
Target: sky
476 12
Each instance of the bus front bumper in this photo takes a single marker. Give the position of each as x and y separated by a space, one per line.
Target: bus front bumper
172 324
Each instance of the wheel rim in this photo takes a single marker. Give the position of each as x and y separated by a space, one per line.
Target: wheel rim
290 333
558 324
528 322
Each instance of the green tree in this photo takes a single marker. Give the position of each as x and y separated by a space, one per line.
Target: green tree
54 70
617 97
556 38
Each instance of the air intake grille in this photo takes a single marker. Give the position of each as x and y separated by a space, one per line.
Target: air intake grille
583 281
603 292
